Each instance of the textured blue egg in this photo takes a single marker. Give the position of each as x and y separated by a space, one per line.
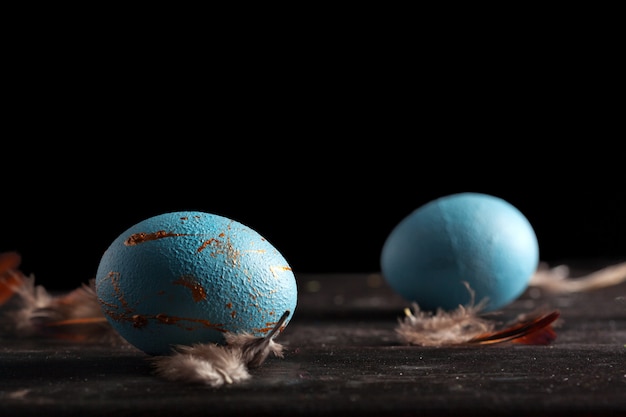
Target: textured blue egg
468 237
190 277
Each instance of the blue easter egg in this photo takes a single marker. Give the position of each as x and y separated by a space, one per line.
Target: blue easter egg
474 238
191 277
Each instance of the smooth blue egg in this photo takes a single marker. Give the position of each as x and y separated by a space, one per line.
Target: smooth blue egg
475 238
191 277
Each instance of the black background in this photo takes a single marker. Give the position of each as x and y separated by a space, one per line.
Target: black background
326 210
322 146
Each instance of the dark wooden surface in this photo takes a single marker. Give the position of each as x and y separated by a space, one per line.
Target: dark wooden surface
343 358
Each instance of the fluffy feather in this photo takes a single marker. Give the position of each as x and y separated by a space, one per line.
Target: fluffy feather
208 364
465 325
26 299
29 310
558 279
213 364
443 327
254 350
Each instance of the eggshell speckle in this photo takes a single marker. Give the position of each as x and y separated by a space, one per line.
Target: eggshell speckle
190 277
467 237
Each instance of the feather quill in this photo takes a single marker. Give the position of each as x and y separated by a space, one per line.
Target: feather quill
215 365
535 330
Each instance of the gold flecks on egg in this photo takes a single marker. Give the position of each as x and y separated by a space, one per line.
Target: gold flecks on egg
198 292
